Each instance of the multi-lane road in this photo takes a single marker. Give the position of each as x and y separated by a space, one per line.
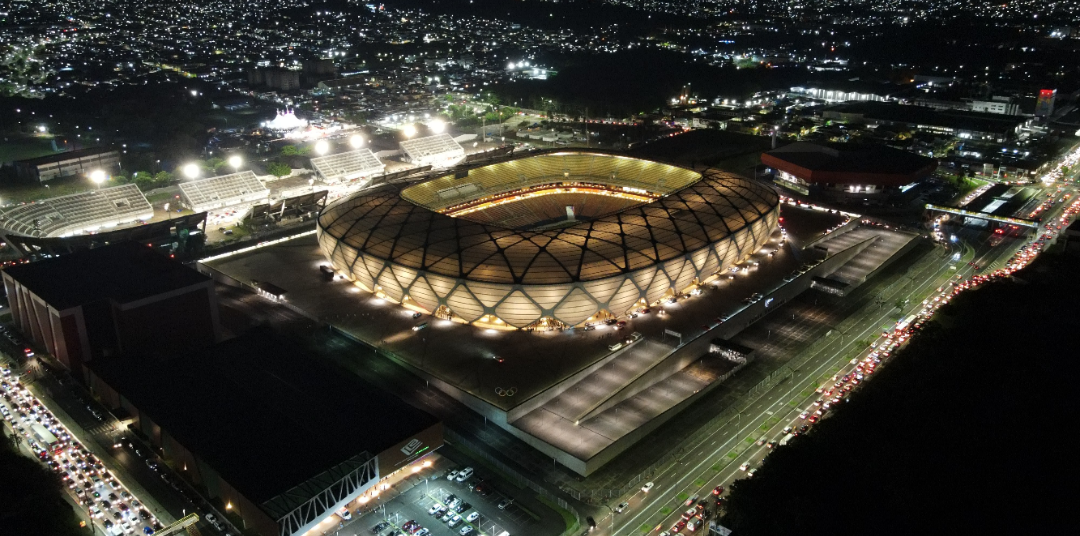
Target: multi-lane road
717 457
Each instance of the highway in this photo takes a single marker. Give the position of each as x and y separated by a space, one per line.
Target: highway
714 459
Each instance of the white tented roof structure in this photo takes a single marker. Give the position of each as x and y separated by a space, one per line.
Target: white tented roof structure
78 213
438 151
224 191
347 166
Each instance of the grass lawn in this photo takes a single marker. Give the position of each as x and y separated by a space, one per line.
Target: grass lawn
20 147
25 193
568 518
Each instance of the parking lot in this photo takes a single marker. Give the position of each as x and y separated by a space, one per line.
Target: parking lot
430 504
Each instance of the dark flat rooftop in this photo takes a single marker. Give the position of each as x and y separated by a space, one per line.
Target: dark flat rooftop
262 413
123 272
851 158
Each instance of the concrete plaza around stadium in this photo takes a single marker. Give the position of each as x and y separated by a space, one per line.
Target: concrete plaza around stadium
544 380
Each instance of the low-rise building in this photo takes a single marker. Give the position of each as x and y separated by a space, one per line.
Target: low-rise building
54 166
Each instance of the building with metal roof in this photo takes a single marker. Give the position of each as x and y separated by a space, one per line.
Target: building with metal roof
224 191
66 164
438 151
848 171
558 239
347 166
282 439
77 213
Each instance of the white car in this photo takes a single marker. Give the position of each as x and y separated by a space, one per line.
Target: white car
466 530
744 466
648 486
622 507
473 516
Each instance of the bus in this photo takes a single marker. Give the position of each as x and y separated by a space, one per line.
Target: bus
905 323
46 438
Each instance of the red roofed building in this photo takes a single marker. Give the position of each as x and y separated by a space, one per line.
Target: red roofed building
848 172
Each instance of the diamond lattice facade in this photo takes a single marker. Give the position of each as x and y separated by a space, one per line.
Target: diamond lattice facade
646 231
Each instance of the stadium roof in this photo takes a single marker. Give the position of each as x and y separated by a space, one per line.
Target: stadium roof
223 191
382 224
430 146
124 272
849 163
75 213
348 165
261 415
149 233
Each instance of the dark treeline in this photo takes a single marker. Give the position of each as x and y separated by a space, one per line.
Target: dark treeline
964 432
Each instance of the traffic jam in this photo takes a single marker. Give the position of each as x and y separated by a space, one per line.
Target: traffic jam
839 387
93 486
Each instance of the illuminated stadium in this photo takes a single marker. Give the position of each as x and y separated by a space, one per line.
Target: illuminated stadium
547 241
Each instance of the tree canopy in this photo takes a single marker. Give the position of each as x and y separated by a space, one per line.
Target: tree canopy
31 497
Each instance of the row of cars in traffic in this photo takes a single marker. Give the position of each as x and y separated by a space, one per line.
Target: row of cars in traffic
843 384
92 485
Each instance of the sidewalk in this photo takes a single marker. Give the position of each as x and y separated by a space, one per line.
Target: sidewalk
393 488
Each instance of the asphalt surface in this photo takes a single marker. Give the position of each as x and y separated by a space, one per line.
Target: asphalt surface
717 459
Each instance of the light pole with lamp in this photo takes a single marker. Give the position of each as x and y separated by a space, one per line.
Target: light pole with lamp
612 510
322 147
190 170
235 161
98 177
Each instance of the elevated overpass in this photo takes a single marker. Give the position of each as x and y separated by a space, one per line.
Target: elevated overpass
1033 224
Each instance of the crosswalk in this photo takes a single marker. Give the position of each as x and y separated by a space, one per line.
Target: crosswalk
101 428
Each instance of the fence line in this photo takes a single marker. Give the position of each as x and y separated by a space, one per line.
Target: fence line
518 479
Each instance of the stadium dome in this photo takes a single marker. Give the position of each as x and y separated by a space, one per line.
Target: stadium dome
552 240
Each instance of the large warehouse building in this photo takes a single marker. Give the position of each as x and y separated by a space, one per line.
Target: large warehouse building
109 300
279 441
848 172
547 241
